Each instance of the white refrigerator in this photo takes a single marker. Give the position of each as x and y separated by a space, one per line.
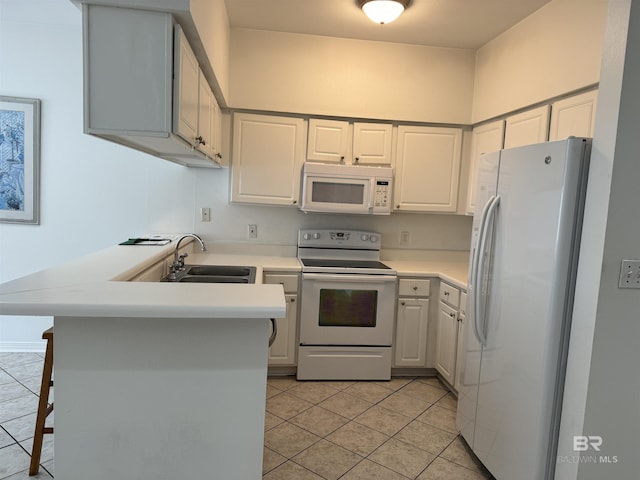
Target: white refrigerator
524 254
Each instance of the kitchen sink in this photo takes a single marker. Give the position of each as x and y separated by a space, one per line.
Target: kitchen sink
219 270
214 274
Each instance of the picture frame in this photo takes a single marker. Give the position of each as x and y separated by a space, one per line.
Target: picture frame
19 160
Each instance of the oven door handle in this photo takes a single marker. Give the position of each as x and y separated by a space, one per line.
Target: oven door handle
340 278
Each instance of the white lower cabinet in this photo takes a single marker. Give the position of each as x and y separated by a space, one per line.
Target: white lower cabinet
283 349
447 339
412 323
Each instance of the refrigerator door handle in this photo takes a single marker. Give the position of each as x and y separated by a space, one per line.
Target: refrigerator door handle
479 320
475 259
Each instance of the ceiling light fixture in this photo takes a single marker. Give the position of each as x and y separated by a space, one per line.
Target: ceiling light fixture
383 11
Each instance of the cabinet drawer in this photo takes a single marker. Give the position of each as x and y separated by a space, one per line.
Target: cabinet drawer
463 304
449 294
288 281
413 287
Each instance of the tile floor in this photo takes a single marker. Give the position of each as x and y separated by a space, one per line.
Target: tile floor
397 430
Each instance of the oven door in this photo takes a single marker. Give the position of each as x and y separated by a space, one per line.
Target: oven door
347 309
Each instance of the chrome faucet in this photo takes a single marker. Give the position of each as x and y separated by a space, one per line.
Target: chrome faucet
178 259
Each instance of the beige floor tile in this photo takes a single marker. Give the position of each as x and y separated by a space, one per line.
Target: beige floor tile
271 460
442 469
328 460
319 421
47 447
423 391
345 405
448 401
291 471
272 391
433 381
383 420
405 404
403 458
369 391
289 440
24 371
13 459
458 453
358 438
338 384
13 390
18 407
442 418
286 406
271 420
396 383
313 392
282 383
368 470
425 437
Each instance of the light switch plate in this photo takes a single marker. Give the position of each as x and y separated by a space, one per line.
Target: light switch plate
629 274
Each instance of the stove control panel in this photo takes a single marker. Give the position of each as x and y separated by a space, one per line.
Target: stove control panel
337 238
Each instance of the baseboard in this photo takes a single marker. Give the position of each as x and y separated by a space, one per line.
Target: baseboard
14 347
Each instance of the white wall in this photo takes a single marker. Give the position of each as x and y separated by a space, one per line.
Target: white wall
554 51
93 193
287 72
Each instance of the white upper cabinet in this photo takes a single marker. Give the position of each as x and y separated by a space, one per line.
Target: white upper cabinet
372 143
338 141
139 105
573 116
427 169
268 153
527 128
484 139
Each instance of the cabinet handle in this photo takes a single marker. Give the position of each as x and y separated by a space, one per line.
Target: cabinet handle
219 155
397 207
295 201
446 294
200 140
415 287
452 315
357 159
293 300
402 303
341 158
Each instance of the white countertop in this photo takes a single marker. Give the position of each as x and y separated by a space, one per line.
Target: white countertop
95 285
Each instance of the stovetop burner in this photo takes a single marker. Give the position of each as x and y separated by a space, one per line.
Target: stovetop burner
333 263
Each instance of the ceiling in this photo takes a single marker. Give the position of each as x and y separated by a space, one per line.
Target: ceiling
440 23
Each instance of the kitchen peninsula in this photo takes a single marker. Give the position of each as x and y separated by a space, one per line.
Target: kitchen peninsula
153 380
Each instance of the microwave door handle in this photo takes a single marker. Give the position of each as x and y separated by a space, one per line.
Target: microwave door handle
372 193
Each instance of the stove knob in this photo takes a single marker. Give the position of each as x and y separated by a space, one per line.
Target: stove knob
373 238
364 237
306 236
316 236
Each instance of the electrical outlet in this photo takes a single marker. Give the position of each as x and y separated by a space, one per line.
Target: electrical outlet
205 214
629 274
405 238
252 230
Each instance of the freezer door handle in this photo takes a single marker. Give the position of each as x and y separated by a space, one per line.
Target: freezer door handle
479 320
474 268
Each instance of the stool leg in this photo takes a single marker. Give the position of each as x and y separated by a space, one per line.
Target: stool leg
42 410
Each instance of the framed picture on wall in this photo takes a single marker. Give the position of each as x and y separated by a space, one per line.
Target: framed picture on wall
19 160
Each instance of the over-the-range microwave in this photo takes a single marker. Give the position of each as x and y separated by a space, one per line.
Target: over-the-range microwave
336 188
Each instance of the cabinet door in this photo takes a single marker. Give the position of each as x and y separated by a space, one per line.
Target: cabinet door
372 143
268 152
484 139
206 114
459 343
328 140
446 344
283 350
186 90
411 332
527 128
427 169
573 116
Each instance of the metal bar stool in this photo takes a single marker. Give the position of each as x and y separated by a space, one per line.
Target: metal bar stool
44 407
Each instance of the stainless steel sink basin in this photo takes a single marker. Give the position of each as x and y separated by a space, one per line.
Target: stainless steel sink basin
214 274
212 279
221 270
